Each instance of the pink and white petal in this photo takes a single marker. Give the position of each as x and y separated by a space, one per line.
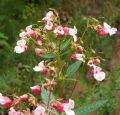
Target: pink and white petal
21 42
41 64
75 38
28 27
19 49
22 34
69 112
37 68
2 101
39 111
106 26
100 76
71 104
112 31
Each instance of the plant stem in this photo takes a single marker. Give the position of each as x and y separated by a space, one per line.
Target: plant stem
85 30
60 82
49 95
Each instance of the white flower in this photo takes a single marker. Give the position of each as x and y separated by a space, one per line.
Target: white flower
21 42
108 29
2 100
22 34
49 25
69 112
80 57
39 67
39 110
49 16
73 32
100 76
28 27
68 107
20 47
59 31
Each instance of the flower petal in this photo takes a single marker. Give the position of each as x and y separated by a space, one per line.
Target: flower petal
100 76
69 112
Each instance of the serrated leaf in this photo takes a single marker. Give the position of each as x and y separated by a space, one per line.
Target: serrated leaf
48 55
65 45
85 110
73 68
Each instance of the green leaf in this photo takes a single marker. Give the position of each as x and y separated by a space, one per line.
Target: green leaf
48 55
65 45
73 68
44 96
85 110
3 36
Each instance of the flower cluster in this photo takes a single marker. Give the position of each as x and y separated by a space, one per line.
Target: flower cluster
106 29
57 29
41 109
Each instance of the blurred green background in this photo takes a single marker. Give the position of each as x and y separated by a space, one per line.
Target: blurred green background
15 70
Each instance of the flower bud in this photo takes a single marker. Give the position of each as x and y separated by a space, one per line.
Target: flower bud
79 48
7 102
102 32
38 51
24 97
59 107
79 57
27 48
45 71
36 89
38 43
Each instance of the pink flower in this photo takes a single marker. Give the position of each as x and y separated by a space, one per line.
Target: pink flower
106 29
49 25
66 107
73 32
38 51
41 68
49 16
109 29
96 72
21 46
79 57
30 32
58 31
102 32
100 76
40 110
66 30
38 43
5 101
36 89
24 97
23 34
14 112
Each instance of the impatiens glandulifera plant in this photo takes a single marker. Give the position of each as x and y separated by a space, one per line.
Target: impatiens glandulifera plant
61 53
